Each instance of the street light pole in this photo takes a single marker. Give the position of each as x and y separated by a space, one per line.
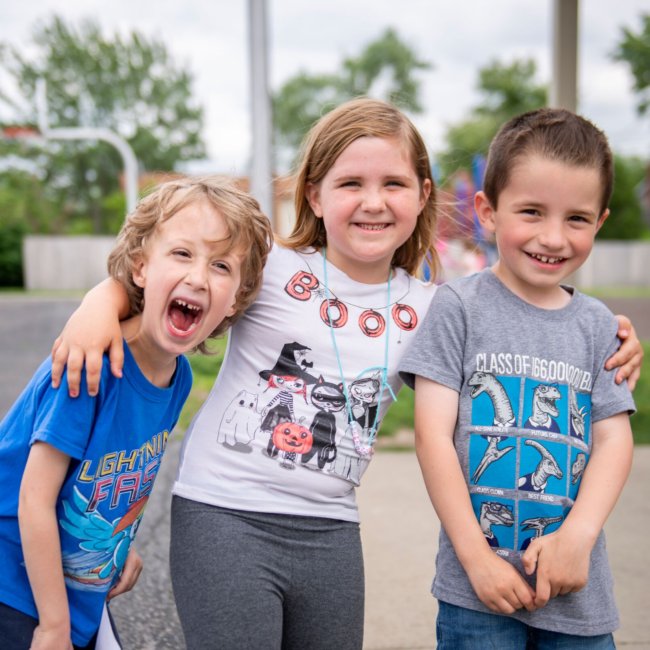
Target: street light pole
261 182
91 133
565 55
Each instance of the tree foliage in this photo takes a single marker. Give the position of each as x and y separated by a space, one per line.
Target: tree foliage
387 62
626 216
634 49
127 84
506 91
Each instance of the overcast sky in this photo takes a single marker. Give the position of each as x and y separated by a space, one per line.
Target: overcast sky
458 38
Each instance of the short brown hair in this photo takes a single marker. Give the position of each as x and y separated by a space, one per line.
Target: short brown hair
326 142
247 227
554 134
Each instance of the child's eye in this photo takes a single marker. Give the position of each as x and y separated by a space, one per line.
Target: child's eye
578 219
181 253
350 184
531 211
221 266
396 183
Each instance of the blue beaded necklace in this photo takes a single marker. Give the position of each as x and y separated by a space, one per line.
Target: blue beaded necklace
362 450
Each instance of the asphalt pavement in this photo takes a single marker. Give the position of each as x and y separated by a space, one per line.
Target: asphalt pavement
399 528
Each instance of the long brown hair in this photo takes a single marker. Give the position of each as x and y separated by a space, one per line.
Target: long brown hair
324 144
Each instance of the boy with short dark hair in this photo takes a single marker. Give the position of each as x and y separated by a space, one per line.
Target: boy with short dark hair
522 435
76 474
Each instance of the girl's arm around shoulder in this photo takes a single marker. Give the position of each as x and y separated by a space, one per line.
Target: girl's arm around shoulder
92 329
498 584
39 490
629 356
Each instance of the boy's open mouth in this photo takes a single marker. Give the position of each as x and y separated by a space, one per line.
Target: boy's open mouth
546 259
183 317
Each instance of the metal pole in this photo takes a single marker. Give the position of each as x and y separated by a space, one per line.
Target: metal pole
565 55
261 181
91 133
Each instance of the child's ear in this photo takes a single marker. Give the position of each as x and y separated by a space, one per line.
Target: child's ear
426 192
601 220
139 271
484 212
312 194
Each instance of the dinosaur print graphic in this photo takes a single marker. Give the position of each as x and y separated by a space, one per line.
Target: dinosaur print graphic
485 382
494 513
492 455
539 525
578 424
547 467
544 408
578 468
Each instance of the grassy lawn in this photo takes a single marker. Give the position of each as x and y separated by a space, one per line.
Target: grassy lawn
400 415
617 292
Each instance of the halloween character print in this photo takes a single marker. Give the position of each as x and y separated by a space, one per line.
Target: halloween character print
363 406
290 377
329 399
291 439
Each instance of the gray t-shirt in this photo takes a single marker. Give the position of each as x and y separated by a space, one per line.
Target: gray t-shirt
531 383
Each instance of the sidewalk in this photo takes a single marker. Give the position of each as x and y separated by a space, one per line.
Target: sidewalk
399 533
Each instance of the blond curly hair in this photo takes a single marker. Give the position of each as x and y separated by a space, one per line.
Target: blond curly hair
247 226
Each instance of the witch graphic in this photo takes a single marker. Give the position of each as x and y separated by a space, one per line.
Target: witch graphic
289 375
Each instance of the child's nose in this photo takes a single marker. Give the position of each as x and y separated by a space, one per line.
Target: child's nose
373 200
553 238
197 276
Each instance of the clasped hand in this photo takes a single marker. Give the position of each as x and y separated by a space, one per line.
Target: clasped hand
562 563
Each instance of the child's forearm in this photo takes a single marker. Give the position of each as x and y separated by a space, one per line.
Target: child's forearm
604 477
39 532
109 294
447 489
42 551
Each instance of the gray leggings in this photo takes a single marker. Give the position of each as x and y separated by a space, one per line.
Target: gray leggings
260 581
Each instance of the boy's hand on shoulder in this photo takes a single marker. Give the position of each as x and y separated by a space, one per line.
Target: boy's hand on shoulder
499 585
129 576
52 638
562 561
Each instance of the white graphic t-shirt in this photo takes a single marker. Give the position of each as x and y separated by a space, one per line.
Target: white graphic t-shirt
274 435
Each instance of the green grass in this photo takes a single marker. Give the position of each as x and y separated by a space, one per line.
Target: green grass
205 370
400 414
641 420
617 292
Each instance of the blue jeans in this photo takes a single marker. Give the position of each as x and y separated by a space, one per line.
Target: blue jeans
17 629
458 628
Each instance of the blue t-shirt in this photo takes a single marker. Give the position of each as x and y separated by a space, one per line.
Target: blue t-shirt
116 441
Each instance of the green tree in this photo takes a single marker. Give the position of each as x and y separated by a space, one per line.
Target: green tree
126 84
634 49
626 216
304 98
506 91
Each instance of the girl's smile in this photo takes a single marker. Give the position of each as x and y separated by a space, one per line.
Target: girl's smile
370 200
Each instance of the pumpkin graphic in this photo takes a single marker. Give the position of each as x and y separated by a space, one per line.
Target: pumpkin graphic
292 438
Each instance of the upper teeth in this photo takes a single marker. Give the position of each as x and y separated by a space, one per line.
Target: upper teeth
182 303
368 226
543 258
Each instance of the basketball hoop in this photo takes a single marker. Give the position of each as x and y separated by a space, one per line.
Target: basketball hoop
16 132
